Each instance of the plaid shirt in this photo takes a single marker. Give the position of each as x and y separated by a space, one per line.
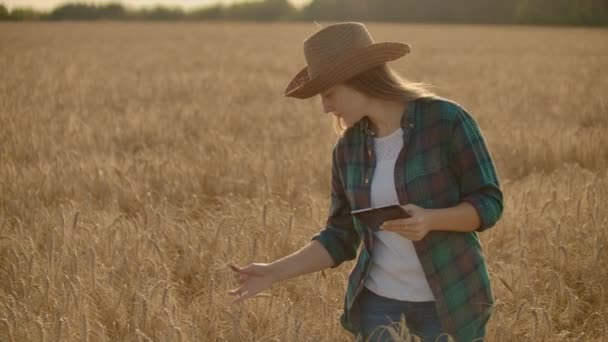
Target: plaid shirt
444 161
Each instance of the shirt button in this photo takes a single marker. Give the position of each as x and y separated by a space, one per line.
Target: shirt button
366 180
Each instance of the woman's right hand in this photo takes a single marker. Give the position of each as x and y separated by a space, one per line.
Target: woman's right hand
253 278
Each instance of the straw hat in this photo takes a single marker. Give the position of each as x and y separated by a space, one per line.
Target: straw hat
338 52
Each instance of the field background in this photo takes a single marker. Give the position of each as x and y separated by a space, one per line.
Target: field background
137 159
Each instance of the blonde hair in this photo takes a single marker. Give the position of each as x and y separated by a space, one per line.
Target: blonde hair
384 83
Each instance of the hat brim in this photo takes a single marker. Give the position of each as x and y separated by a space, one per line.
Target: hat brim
303 87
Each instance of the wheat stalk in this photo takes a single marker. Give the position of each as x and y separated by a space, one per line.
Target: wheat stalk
9 329
84 333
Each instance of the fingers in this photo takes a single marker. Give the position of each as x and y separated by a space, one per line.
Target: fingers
403 221
408 232
397 222
242 276
394 226
239 276
411 208
408 208
241 295
402 226
237 269
238 291
244 296
245 270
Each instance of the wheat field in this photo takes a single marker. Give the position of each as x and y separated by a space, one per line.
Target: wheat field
137 159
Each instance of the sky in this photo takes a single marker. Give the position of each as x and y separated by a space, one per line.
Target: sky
185 4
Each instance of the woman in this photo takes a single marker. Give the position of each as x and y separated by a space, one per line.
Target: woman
399 144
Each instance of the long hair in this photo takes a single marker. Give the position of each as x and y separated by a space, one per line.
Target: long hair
384 83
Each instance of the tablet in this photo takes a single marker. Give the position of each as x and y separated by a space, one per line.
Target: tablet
374 217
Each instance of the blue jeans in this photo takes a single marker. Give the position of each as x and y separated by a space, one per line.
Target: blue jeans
377 311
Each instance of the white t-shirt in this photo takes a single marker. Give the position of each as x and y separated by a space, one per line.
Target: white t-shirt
395 270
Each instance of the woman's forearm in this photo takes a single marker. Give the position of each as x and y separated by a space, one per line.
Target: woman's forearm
460 218
310 258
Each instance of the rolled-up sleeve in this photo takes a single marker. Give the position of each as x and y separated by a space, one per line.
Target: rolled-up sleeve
338 236
472 162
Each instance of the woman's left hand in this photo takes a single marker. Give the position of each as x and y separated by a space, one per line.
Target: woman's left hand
412 228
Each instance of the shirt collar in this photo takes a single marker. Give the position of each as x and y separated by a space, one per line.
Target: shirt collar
407 120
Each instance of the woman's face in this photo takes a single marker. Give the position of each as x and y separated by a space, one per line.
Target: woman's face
345 102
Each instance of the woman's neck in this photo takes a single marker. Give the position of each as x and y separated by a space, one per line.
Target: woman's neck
385 116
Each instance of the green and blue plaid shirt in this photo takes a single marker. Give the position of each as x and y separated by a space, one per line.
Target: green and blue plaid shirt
444 161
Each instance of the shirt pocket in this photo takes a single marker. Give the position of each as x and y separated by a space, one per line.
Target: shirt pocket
423 164
430 181
423 167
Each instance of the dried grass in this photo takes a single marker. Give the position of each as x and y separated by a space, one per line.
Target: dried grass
137 159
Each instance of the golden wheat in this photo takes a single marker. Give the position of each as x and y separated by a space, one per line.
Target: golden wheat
138 159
